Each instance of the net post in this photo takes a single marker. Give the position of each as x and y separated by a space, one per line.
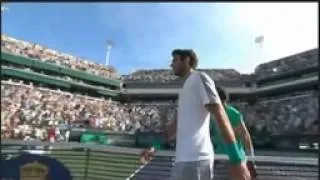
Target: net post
86 167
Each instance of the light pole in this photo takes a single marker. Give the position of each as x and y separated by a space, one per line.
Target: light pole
108 52
259 41
3 8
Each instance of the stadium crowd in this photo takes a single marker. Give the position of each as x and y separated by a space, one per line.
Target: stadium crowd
295 63
289 114
165 75
28 111
31 111
36 51
289 64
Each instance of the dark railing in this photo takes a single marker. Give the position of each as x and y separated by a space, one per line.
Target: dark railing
88 161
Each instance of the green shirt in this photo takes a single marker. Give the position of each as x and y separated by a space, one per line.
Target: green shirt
235 118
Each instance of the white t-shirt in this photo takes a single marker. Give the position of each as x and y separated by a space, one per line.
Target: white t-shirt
193 136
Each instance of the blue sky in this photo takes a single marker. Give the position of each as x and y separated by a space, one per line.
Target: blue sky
144 34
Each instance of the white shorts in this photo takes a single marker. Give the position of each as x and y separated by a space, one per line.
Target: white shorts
194 170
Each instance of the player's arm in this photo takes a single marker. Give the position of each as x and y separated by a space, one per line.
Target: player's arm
242 131
211 101
169 134
227 132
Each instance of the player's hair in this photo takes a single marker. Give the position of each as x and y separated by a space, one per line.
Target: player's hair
187 53
222 94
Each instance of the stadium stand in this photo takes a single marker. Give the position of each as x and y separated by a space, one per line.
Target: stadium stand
26 105
165 77
285 65
36 51
286 108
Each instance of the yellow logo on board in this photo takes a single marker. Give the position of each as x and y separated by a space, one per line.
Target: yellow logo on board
34 171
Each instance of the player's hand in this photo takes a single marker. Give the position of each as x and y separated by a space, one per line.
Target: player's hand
146 155
240 172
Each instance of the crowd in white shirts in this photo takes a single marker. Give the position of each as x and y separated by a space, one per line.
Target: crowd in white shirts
29 111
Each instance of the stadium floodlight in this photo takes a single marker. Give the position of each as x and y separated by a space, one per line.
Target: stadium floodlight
109 47
3 8
259 40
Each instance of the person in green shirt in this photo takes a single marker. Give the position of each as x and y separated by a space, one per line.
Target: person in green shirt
241 132
236 119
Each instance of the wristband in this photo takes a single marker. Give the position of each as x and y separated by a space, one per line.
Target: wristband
236 156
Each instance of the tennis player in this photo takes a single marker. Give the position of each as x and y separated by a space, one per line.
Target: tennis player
197 99
242 134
